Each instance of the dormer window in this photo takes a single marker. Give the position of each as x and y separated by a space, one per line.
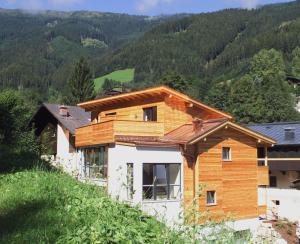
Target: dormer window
289 134
150 114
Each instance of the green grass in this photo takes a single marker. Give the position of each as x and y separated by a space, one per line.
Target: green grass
50 207
125 75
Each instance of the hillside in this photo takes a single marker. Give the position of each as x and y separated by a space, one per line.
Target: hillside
212 46
51 207
38 50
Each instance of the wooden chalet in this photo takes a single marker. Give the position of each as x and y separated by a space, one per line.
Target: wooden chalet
166 148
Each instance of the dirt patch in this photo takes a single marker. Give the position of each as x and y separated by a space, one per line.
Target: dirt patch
286 229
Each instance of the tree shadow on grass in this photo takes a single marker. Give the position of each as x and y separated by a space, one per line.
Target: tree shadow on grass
32 220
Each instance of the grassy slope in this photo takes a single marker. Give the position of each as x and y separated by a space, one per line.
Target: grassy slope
125 75
39 206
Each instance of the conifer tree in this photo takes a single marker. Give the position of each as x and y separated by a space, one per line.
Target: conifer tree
81 84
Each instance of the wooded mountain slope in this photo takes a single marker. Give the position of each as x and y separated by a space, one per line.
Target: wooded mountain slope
212 46
38 50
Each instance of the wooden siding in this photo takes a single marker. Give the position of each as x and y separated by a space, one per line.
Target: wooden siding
95 134
262 210
263 176
105 132
177 112
235 181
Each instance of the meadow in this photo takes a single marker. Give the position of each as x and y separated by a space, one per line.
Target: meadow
125 75
50 207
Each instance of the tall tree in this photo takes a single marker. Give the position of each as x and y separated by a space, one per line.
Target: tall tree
219 96
296 62
81 84
246 102
268 70
175 81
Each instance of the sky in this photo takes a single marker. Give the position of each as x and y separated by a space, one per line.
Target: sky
140 7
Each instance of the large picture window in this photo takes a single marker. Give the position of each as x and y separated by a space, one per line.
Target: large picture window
95 162
161 181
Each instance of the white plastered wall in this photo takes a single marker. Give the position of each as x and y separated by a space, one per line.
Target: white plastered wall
120 155
288 202
65 159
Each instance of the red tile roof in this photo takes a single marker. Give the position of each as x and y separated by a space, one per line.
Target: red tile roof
187 132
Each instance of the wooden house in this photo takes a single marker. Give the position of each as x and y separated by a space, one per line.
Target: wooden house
162 149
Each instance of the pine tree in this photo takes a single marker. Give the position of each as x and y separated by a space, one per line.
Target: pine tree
81 84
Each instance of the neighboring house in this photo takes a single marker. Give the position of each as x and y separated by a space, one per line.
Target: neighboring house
161 149
55 126
283 160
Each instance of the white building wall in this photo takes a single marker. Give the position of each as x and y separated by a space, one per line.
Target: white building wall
120 155
64 159
288 200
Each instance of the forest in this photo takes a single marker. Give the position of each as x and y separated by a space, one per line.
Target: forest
207 56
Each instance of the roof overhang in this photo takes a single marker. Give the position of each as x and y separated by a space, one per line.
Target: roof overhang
148 93
260 137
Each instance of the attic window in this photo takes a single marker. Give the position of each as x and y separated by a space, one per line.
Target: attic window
150 114
289 134
111 114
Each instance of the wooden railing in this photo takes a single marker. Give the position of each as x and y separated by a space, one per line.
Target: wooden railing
263 175
105 132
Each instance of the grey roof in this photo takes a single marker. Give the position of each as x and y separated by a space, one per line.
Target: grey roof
277 131
78 117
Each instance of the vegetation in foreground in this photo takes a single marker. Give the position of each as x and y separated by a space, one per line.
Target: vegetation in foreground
52 207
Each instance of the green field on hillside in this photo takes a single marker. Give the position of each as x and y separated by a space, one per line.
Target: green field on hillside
125 75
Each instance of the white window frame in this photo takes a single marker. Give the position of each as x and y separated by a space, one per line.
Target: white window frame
215 198
168 185
229 154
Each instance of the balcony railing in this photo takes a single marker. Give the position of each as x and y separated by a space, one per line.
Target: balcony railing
105 132
263 175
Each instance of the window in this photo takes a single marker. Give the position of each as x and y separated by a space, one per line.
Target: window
150 114
226 153
111 114
95 162
161 181
273 181
211 198
130 181
289 134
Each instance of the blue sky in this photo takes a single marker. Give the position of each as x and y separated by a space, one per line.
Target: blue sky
147 7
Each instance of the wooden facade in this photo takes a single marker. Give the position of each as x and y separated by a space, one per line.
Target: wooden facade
235 181
126 118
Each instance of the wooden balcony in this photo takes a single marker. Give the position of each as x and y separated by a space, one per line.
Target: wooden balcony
105 132
263 175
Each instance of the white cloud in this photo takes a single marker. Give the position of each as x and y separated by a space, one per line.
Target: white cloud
145 5
249 4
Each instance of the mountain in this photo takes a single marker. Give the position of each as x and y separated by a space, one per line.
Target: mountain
211 46
37 50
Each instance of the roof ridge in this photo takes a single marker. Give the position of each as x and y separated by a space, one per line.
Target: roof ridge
274 123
